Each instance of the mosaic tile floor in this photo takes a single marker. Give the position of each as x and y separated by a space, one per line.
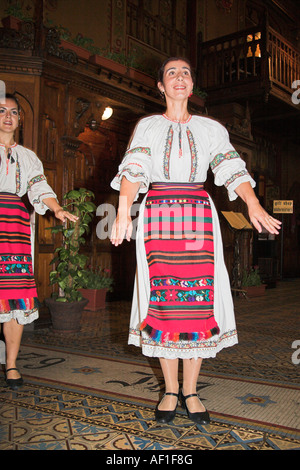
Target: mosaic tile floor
91 391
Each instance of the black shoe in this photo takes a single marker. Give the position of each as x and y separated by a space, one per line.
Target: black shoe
198 417
14 384
166 416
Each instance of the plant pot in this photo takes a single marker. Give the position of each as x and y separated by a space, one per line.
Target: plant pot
66 316
141 77
11 22
81 52
108 64
96 298
255 291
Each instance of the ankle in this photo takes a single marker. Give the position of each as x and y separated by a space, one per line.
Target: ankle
188 391
174 388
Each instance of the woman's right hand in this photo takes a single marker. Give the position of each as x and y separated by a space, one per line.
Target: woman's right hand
122 227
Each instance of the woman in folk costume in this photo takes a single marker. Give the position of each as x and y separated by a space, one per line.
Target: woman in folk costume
20 172
182 305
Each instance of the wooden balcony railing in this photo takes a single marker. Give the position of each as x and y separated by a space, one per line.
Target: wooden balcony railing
284 60
257 55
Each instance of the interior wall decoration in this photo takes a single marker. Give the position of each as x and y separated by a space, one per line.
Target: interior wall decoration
225 5
118 25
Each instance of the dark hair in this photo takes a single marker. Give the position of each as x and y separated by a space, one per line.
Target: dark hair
161 71
10 96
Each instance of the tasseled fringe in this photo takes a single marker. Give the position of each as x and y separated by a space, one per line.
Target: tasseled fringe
160 336
6 305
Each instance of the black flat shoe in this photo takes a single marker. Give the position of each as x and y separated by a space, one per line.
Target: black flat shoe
198 417
166 416
14 384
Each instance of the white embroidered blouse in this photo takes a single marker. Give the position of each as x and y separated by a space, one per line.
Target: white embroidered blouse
23 173
162 150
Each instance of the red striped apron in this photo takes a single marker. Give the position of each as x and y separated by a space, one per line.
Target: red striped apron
17 284
178 235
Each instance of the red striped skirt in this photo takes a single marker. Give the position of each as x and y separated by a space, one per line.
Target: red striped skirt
17 284
178 235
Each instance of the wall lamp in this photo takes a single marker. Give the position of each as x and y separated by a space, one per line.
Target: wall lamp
107 113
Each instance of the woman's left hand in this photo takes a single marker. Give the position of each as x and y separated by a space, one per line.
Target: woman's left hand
64 215
257 214
259 217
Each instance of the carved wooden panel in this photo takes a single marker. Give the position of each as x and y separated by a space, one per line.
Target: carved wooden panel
44 235
51 119
49 139
42 280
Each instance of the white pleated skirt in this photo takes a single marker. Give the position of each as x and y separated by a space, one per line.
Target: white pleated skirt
223 305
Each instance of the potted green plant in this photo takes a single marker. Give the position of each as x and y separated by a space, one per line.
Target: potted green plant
95 285
252 283
15 16
67 304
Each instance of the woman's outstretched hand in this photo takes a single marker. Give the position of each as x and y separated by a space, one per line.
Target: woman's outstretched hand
63 215
257 214
58 211
260 218
122 227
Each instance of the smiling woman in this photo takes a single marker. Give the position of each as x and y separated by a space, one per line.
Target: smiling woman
176 83
21 172
182 306
9 117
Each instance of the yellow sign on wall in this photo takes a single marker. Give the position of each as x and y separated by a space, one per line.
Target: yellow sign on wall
283 207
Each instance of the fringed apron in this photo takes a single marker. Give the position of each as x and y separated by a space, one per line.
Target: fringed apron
178 237
17 285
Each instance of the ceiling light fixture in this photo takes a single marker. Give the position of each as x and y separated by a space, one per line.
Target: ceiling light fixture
107 113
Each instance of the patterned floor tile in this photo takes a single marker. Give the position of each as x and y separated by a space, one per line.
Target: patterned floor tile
95 441
273 443
56 445
125 441
161 447
91 391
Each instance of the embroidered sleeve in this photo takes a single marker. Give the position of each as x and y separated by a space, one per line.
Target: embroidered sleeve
37 187
36 179
136 164
221 157
228 167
